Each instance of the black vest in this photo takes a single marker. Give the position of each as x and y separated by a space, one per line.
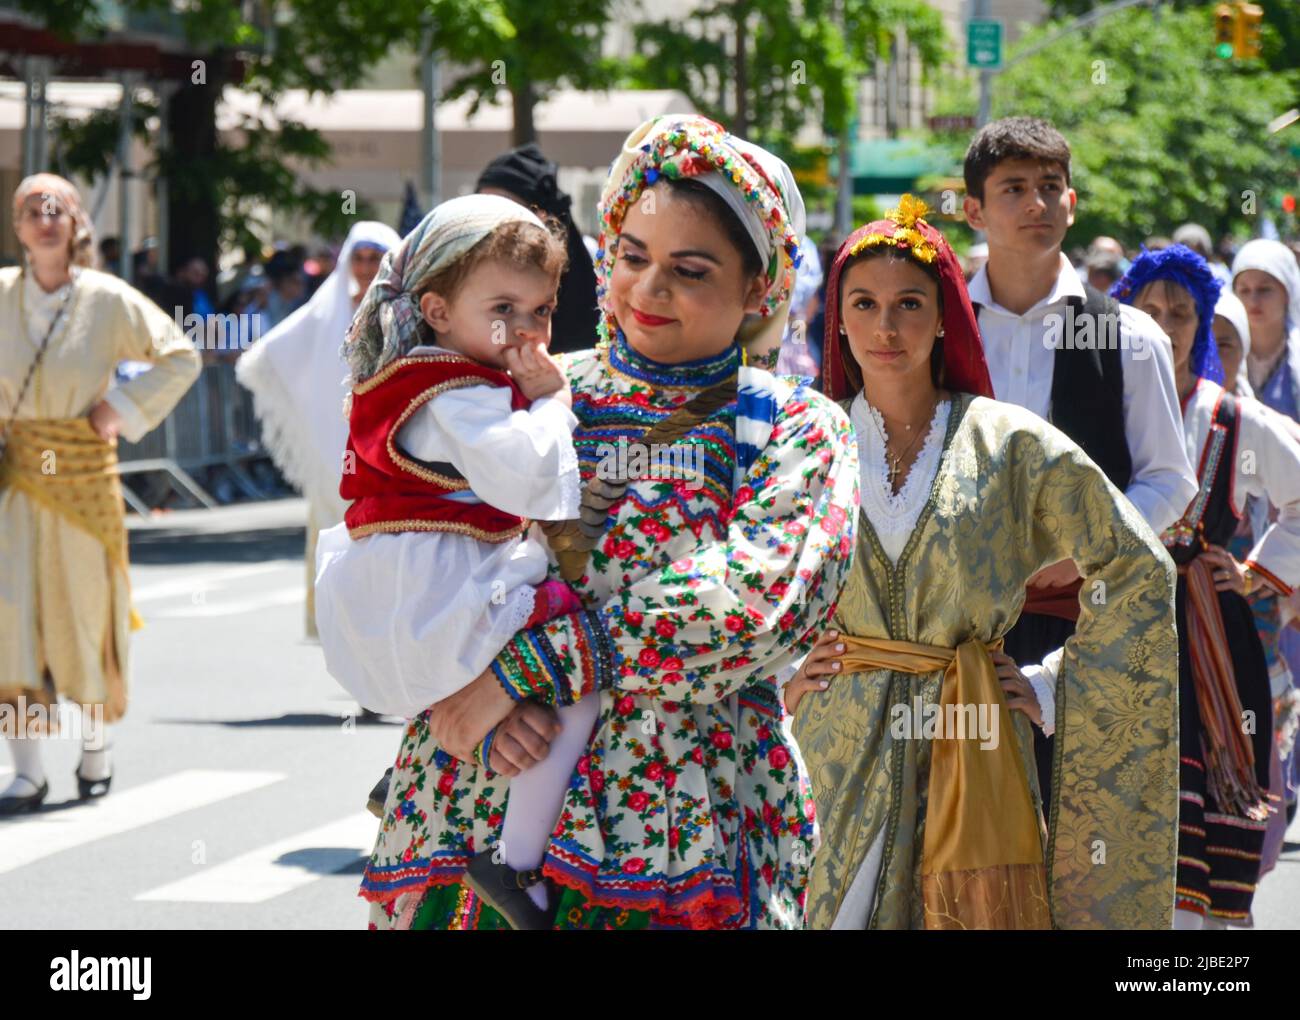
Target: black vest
1088 390
1088 387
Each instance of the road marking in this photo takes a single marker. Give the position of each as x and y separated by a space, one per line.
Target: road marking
191 583
223 605
52 832
276 868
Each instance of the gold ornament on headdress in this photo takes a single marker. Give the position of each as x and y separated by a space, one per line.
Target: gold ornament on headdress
909 212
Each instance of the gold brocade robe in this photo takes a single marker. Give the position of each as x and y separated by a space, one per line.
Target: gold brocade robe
64 602
1011 495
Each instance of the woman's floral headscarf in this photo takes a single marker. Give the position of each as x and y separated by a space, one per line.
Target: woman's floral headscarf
757 185
1179 264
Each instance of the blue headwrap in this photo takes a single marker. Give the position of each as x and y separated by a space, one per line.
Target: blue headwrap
1180 265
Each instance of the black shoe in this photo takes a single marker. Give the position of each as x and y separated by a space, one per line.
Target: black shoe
506 891
17 805
375 805
92 789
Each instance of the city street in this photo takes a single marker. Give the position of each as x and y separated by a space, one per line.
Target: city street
240 770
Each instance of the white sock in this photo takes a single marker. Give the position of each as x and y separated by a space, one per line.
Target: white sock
1188 920
95 760
29 770
537 795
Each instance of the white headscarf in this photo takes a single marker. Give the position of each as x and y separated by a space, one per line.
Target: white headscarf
1276 259
1231 308
299 381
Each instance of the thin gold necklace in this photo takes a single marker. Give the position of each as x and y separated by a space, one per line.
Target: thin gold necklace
895 462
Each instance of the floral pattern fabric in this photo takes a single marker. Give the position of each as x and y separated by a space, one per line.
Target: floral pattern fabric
689 807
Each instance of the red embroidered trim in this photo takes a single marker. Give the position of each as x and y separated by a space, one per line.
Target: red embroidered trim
1272 578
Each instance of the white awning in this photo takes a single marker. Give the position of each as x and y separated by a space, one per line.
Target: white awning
403 110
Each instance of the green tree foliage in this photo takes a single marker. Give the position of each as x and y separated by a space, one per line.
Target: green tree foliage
766 67
319 46
1280 38
527 52
1161 131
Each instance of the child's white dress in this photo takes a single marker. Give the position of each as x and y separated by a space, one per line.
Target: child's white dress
408 619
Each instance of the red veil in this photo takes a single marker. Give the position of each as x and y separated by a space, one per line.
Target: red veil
965 370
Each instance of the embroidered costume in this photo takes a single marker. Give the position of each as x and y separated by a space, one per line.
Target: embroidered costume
943 831
1275 382
65 608
431 573
1223 672
714 571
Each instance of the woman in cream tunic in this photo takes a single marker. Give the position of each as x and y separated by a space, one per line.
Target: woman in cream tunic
65 610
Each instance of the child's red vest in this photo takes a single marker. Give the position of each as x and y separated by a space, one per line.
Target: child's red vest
390 491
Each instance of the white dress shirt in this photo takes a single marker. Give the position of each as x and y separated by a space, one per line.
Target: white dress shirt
1021 361
1267 467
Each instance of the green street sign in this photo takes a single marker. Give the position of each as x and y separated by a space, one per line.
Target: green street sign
984 44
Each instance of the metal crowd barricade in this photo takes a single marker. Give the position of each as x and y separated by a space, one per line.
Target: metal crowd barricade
213 425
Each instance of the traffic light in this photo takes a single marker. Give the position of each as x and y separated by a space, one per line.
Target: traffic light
1245 42
1225 31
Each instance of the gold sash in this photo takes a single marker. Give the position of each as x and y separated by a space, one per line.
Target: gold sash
62 465
982 863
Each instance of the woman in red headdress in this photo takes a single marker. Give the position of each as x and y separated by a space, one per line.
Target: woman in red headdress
913 724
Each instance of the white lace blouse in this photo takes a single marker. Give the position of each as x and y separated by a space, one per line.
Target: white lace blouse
894 515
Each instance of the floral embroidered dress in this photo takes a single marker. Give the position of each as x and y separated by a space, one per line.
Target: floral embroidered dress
690 809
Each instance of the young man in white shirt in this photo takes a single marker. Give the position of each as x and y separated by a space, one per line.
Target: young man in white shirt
1100 371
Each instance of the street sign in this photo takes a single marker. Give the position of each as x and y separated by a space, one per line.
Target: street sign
984 44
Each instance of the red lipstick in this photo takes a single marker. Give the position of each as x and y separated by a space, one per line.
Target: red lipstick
646 319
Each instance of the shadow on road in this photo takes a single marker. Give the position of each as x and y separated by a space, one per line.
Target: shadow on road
163 546
290 719
326 860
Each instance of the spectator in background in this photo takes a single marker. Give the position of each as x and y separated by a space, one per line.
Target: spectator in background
975 259
801 348
299 381
287 289
1102 264
1157 242
1104 269
1228 248
318 268
189 282
1196 237
248 302
144 270
110 252
526 176
1103 243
